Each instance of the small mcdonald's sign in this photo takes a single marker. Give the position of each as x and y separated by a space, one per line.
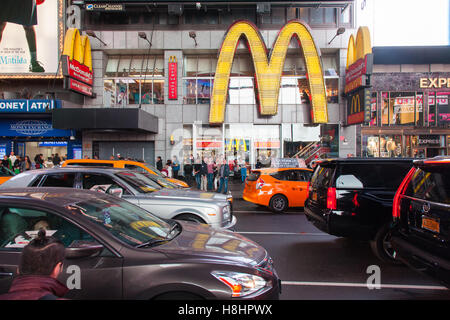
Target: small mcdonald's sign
173 78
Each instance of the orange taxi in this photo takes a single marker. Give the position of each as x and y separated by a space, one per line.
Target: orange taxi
123 164
278 188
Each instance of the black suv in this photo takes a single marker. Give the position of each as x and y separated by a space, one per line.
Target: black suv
353 198
421 213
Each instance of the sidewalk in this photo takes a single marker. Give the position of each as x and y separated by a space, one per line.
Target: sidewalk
236 187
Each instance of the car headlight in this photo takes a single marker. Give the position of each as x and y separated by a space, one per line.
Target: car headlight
241 284
226 212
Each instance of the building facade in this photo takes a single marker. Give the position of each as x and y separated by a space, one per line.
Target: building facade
160 57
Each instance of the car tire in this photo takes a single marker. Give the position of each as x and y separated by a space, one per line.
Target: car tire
179 295
189 217
278 203
381 246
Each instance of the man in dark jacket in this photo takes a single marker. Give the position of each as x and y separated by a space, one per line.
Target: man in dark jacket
224 172
40 265
159 163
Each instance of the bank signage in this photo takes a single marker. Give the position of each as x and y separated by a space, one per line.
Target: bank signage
359 61
28 106
268 70
30 128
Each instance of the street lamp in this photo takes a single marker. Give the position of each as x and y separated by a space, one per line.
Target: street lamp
143 35
193 35
92 34
339 31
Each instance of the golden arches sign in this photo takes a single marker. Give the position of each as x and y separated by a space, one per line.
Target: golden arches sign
356 104
359 49
78 47
268 72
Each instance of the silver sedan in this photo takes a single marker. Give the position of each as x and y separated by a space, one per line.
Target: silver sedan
204 207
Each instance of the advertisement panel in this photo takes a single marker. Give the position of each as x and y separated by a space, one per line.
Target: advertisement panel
30 128
358 107
30 38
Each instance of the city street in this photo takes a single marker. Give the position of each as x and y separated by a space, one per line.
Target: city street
315 265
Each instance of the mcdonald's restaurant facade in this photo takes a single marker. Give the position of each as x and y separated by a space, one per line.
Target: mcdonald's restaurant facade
158 70
405 112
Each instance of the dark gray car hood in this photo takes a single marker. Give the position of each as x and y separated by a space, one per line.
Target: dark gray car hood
202 241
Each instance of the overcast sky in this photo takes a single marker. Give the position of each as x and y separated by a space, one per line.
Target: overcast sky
410 22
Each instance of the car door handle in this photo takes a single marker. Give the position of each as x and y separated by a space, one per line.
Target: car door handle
6 274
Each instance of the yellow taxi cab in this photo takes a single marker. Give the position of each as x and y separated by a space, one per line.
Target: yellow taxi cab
278 188
5 174
123 164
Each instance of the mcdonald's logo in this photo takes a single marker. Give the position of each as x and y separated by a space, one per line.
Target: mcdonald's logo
356 104
77 62
173 59
268 72
359 60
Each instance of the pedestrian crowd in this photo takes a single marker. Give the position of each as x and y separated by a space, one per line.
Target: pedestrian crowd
18 164
206 173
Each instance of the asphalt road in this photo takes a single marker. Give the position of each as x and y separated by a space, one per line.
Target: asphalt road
315 265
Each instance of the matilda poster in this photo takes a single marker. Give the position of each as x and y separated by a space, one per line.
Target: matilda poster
29 37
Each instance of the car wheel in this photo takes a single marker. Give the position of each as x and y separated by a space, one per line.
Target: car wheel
278 203
190 217
381 245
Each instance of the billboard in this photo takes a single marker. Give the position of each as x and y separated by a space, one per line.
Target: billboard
268 70
30 38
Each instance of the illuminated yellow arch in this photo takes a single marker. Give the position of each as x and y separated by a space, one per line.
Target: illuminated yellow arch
358 50
268 75
78 47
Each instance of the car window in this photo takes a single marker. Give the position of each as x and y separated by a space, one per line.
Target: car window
64 180
431 184
254 176
371 175
18 226
101 183
280 175
302 175
5 172
139 182
322 177
135 168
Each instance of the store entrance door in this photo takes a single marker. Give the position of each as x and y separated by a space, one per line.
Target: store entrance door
144 150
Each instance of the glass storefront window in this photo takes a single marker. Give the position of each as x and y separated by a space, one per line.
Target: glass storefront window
401 108
371 146
266 144
238 138
208 141
384 108
188 138
432 114
373 109
289 93
443 108
332 86
189 91
390 146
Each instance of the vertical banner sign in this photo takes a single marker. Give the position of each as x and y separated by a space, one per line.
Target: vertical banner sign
173 78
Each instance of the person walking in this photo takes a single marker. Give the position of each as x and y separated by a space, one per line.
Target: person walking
56 160
204 173
197 172
224 173
243 167
175 167
159 163
210 174
40 265
26 164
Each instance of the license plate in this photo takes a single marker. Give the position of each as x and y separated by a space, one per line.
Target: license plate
314 196
430 224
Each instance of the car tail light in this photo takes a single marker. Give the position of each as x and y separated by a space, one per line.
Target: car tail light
259 183
400 191
331 198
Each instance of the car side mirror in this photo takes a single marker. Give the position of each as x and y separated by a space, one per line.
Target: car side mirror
84 251
118 192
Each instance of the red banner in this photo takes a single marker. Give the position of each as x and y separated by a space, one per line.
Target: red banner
173 80
79 87
208 144
74 69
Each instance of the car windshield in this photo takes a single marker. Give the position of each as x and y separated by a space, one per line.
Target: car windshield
158 173
139 182
125 221
161 181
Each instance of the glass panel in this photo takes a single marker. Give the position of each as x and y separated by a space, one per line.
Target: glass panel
159 67
246 65
443 108
345 16
303 88
419 109
332 86
133 97
316 16
432 109
187 142
266 144
124 66
304 14
329 65
146 92
246 91
109 93
370 147
401 108
204 91
330 15
233 91
158 91
237 142
391 146
373 109
278 16
136 65
190 91
190 66
291 13
209 141
289 93
204 66
121 93
111 66
294 66
384 108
